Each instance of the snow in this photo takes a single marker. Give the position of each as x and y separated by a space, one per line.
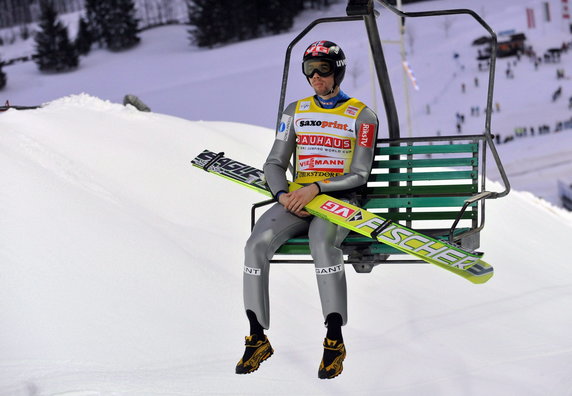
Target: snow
241 82
114 281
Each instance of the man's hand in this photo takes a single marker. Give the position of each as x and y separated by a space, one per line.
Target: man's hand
296 200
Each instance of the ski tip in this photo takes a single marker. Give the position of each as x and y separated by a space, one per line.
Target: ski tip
480 272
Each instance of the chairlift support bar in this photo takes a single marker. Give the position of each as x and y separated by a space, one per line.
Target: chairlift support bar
379 61
490 89
481 22
363 10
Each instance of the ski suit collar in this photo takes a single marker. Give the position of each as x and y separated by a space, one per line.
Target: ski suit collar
332 102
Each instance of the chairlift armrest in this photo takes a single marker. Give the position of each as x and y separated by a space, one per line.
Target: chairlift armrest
478 197
253 210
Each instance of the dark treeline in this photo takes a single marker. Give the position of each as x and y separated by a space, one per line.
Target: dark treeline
151 12
15 13
109 23
215 22
19 12
157 12
3 77
394 2
115 24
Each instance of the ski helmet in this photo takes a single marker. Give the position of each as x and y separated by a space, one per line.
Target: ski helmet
328 52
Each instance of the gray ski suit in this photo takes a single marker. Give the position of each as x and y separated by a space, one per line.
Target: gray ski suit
277 225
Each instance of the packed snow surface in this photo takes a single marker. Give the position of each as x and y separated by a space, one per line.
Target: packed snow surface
121 264
122 274
241 82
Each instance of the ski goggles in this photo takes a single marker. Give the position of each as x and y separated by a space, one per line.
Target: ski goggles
324 68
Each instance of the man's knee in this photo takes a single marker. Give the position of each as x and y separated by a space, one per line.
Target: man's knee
321 248
258 246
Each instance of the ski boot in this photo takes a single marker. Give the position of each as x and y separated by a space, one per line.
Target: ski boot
258 349
332 361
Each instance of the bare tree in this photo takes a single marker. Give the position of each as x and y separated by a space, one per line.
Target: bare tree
14 12
355 71
447 23
143 12
3 78
18 12
168 11
410 37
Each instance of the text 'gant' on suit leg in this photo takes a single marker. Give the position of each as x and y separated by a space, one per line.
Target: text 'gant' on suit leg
325 240
271 231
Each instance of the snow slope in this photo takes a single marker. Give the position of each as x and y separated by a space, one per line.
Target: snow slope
114 281
241 82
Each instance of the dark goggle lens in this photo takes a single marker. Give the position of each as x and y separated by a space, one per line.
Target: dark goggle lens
323 68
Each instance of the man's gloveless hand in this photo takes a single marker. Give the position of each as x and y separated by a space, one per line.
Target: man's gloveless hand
296 200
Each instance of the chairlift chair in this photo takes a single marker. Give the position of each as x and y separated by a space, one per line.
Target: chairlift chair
452 187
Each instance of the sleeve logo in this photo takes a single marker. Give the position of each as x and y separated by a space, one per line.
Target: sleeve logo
284 127
366 135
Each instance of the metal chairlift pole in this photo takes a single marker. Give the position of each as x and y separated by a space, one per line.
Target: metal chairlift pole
365 8
487 133
403 54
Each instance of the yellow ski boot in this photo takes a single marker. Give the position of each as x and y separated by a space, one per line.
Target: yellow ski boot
332 362
258 349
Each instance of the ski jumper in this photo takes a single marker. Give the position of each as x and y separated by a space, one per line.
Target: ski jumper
333 148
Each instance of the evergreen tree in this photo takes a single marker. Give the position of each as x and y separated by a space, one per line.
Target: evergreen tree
54 51
3 78
120 25
210 23
245 19
95 14
319 3
277 16
83 40
222 21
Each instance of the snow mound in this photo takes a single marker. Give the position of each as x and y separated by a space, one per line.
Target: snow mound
122 273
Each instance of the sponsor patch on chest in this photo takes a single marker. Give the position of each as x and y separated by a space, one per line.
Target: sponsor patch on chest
351 110
321 163
325 141
304 105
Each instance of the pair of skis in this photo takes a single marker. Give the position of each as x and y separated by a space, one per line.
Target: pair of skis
468 265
